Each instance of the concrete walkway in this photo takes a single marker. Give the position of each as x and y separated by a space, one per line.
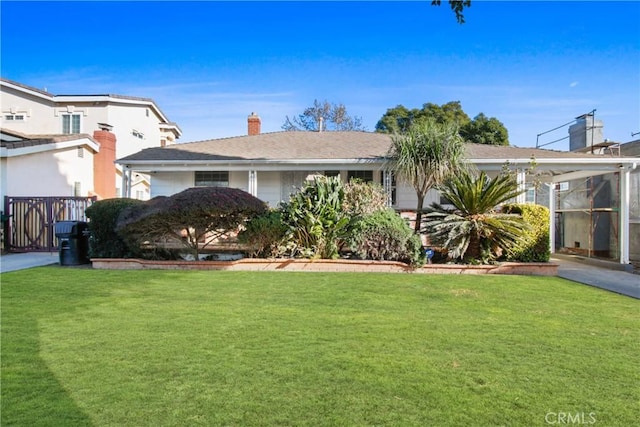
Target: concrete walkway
13 262
604 275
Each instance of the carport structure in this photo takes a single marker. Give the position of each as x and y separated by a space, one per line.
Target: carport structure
557 171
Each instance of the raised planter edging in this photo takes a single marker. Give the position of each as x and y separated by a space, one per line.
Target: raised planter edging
252 264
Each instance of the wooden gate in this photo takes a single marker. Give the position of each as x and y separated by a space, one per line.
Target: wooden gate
28 222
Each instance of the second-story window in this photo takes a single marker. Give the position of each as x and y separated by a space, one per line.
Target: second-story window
70 123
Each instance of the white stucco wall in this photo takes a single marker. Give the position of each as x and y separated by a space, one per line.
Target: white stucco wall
50 173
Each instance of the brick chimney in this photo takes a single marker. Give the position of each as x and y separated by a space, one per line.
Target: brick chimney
104 168
253 124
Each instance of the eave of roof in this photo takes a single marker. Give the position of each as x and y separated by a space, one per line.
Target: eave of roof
42 143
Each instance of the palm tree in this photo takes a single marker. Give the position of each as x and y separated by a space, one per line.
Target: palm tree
475 230
424 156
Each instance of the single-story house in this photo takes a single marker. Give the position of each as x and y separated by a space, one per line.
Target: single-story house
271 166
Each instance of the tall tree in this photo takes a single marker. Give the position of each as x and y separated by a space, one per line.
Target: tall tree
485 130
332 117
400 118
481 130
426 155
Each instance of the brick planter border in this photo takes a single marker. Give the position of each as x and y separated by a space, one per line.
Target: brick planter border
521 268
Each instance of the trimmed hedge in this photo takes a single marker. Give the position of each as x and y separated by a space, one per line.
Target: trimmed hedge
535 248
104 241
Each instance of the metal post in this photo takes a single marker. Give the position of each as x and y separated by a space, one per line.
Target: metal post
552 217
625 197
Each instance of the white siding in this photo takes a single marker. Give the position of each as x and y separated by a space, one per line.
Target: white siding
168 183
269 188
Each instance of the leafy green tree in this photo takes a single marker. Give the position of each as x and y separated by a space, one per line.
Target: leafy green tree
481 130
426 155
485 130
457 6
474 230
400 118
332 117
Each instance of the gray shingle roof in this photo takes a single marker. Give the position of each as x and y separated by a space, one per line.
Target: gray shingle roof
315 146
34 140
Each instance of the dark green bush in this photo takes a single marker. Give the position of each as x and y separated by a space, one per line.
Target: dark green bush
104 241
535 247
384 235
264 234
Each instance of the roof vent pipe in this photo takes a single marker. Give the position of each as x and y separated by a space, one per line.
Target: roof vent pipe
320 124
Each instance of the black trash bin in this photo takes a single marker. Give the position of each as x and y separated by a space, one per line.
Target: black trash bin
73 242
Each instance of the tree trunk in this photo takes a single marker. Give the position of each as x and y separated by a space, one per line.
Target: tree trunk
418 223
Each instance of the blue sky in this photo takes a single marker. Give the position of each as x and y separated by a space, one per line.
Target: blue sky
208 65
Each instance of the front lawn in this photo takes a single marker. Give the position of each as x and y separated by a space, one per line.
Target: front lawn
159 348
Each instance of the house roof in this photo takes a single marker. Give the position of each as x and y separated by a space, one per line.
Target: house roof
296 145
90 98
631 148
15 143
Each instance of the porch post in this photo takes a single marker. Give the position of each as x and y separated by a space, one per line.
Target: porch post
521 178
387 186
625 196
552 217
253 183
123 186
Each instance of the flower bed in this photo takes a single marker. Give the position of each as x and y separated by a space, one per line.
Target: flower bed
323 265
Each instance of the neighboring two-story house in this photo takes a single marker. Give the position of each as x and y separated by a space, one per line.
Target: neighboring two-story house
117 125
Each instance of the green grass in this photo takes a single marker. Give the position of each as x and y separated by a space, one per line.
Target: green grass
169 348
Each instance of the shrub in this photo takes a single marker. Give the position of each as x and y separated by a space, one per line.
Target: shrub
104 241
474 231
535 246
195 217
363 198
384 235
315 219
265 234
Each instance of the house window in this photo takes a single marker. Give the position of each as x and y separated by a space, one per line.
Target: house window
163 142
77 189
444 200
212 179
530 196
70 123
14 117
137 134
366 176
331 173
